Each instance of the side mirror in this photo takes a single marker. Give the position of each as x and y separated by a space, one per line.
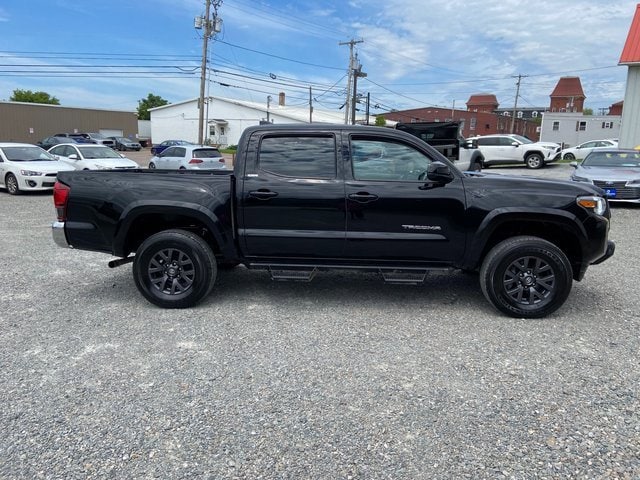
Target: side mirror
515 144
470 144
122 155
439 172
73 156
574 164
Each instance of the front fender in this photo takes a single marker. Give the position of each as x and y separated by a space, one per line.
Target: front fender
499 217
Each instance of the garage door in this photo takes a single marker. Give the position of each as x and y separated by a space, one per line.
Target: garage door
111 132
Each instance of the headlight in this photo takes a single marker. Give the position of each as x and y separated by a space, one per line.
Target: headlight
576 178
30 173
597 205
634 182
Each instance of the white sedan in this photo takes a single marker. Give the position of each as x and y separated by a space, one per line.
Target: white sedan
581 151
192 157
27 167
91 157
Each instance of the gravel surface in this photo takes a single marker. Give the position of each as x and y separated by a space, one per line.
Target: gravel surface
342 378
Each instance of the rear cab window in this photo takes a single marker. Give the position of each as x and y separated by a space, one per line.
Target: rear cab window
298 156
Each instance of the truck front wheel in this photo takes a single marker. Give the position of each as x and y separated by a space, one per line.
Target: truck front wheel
174 269
526 277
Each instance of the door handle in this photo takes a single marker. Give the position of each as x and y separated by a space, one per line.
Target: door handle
263 194
363 197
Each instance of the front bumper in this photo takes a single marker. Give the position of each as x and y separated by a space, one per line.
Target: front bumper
59 237
611 248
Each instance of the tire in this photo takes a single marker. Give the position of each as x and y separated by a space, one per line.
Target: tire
526 277
174 269
569 156
152 165
11 184
534 161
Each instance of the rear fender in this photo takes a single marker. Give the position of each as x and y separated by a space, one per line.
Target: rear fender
223 234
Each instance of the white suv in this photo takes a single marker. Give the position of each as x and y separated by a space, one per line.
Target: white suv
508 148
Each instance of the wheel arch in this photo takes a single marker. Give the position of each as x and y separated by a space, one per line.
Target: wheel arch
561 228
140 221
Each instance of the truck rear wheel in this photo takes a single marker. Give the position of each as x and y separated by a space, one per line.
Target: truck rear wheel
526 277
174 269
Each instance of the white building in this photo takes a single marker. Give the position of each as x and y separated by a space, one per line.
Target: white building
226 119
570 129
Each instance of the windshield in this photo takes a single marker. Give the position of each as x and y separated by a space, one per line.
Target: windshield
612 159
521 139
27 154
99 136
96 151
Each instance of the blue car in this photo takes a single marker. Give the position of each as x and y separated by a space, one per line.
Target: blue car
156 149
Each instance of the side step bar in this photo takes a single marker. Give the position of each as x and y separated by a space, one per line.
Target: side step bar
306 273
292 274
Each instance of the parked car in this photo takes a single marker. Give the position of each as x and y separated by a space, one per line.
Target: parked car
47 143
91 157
192 157
582 150
96 138
156 149
506 149
124 144
616 171
74 137
28 167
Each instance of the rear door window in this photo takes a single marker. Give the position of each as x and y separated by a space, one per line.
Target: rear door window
299 156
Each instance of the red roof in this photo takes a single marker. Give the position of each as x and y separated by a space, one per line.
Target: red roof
631 50
482 99
568 87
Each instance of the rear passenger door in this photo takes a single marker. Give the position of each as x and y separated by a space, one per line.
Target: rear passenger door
292 197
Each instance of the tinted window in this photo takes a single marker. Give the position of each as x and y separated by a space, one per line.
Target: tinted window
488 141
299 156
387 160
168 152
206 153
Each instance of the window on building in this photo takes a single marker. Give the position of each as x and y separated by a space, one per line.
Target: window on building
556 126
506 114
299 156
534 114
472 123
607 124
581 126
520 114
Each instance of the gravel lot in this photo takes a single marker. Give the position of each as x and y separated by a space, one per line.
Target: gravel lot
342 378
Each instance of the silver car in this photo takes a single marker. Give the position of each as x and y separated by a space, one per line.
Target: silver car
616 171
189 157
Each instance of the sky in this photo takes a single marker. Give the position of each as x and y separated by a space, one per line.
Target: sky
415 53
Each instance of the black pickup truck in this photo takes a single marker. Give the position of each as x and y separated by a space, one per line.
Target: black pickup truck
303 198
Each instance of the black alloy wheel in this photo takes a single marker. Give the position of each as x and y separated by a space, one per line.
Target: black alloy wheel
526 277
174 269
569 156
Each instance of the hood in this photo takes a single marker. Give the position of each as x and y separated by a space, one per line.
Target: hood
44 166
619 174
115 162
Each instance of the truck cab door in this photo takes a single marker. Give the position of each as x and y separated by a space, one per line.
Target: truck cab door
291 203
394 213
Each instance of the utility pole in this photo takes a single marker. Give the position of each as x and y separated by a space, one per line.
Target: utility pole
347 104
310 106
268 105
368 103
210 27
515 104
357 73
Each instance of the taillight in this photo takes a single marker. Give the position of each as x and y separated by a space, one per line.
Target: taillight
60 197
195 160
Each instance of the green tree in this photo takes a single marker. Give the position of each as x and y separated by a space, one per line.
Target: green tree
380 121
152 101
33 97
587 111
